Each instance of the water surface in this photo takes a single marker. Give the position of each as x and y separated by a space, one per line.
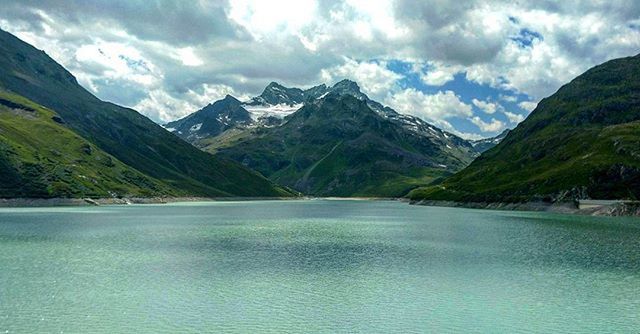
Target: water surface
315 266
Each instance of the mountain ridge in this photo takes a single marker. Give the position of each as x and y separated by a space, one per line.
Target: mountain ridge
263 116
122 132
270 120
339 146
58 162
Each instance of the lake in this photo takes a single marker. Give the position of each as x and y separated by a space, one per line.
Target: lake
315 266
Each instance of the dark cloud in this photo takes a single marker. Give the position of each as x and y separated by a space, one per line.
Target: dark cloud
433 13
175 22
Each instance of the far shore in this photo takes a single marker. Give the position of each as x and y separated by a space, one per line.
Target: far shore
583 207
53 202
57 202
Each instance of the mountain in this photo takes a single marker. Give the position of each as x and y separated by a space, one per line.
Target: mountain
275 94
229 126
277 102
120 132
581 142
211 120
40 157
338 145
288 147
482 145
266 109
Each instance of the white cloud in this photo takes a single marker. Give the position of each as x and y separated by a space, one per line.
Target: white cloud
436 108
265 18
375 16
513 117
486 106
108 60
188 57
528 105
568 40
508 98
375 79
163 107
493 126
437 73
159 105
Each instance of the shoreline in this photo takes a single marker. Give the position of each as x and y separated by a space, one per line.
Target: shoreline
613 209
62 202
71 202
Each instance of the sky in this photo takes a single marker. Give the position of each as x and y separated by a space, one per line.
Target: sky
470 67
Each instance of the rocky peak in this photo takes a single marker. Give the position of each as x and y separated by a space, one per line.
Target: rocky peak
275 94
274 86
347 86
315 92
229 99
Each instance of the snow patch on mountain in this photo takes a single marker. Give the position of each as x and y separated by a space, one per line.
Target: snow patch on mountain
279 111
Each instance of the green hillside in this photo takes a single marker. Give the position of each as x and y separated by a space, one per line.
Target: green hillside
121 132
40 157
582 142
339 146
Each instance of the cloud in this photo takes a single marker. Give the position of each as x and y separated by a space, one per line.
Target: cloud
264 18
435 108
436 73
487 107
508 98
375 79
116 61
455 33
568 39
528 105
513 117
188 57
164 107
174 22
493 126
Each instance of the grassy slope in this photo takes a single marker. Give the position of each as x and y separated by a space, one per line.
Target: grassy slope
584 141
228 138
122 132
41 158
349 170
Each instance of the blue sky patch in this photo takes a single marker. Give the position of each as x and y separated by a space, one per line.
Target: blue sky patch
467 91
526 38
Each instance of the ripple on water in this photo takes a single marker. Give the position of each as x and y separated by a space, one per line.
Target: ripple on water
315 266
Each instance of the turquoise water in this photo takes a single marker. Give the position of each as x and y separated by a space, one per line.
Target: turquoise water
315 266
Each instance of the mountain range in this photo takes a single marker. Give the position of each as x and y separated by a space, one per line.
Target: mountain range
58 140
328 141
